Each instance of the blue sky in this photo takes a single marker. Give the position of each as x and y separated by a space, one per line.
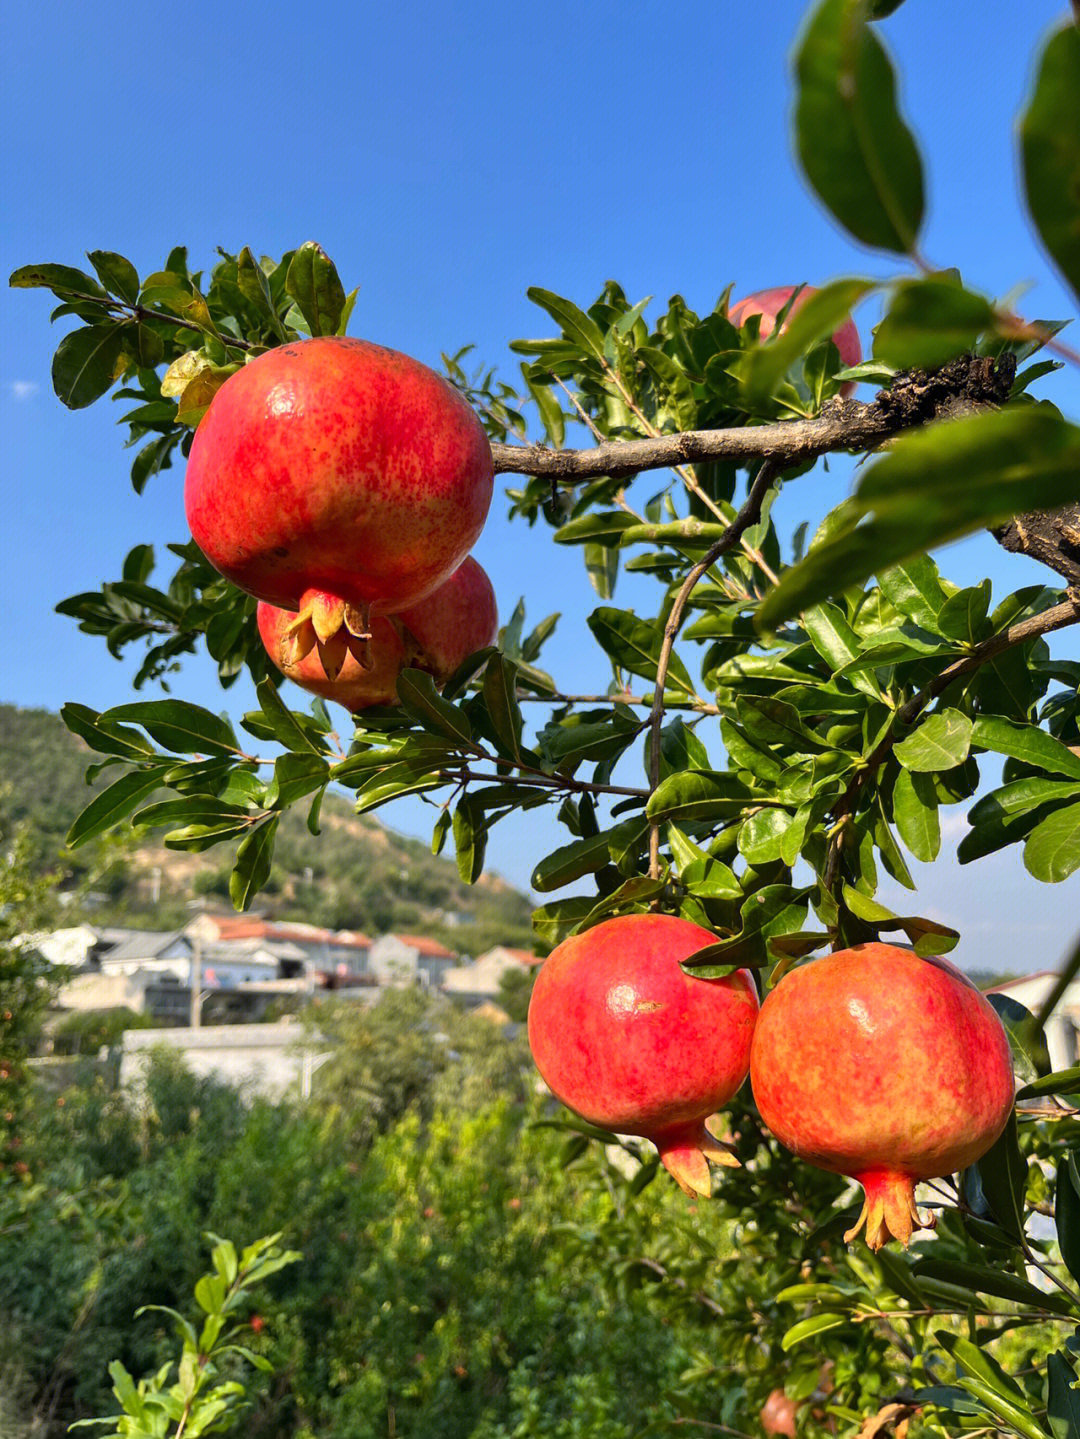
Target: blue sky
448 157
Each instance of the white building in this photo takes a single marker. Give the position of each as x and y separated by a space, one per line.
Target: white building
1062 1027
401 960
479 982
273 1060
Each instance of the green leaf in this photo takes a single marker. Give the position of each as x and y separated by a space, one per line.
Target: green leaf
1020 796
941 742
556 921
1067 1211
470 839
937 484
963 615
635 645
760 836
595 525
1062 1081
104 735
988 1381
86 363
1050 139
1003 1174
179 726
118 275
574 323
114 804
407 777
914 589
698 795
1027 743
295 775
63 280
915 814
417 693
253 861
854 147
602 567
981 1279
500 700
314 284
255 287
774 721
811 1328
930 321
1052 849
1062 1396
571 861
291 729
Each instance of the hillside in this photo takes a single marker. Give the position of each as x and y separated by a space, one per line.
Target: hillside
357 874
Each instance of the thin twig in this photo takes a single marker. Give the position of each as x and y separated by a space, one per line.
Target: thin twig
550 781
746 517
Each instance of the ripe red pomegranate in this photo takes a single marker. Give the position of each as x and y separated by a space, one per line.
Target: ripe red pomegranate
769 303
323 650
877 1064
339 466
632 1043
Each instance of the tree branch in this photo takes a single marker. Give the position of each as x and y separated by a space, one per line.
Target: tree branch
915 398
748 515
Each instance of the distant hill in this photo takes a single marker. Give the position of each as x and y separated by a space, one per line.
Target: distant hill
357 874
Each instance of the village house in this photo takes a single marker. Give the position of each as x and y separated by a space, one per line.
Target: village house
401 960
479 983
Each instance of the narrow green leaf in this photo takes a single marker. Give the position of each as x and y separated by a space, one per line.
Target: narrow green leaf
915 814
1052 849
635 645
820 316
981 1279
253 861
180 726
294 730
570 862
295 775
500 701
574 323
1067 1211
854 147
408 777
810 1329
1062 1396
1050 139
1027 743
63 280
314 284
417 693
104 735
602 567
470 839
114 804
255 287
698 795
1003 1174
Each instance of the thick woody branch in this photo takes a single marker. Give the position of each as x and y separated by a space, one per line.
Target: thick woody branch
1050 536
915 398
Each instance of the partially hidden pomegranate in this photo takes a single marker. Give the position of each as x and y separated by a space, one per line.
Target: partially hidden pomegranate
323 647
342 467
769 303
778 1414
877 1064
623 1036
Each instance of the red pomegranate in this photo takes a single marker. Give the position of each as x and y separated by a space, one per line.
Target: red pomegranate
323 649
631 1042
769 303
339 466
877 1064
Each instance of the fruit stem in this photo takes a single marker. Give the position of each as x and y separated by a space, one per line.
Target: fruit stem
889 1210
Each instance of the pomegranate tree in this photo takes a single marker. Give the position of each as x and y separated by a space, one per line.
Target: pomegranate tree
326 647
769 303
337 466
630 1041
877 1064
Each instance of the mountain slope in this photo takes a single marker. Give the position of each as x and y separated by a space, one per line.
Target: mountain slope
357 874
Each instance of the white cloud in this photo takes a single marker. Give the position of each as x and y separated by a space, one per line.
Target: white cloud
24 389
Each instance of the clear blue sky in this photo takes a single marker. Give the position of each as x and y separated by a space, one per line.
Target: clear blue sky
448 157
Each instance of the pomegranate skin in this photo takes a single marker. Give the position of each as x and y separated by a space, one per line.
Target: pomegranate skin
338 465
632 1043
877 1064
435 635
769 303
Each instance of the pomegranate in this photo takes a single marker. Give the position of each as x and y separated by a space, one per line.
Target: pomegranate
877 1064
631 1042
337 466
328 650
778 1414
769 303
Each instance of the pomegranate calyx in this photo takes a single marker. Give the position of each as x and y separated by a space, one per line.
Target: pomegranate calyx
889 1210
357 619
298 640
685 1153
326 612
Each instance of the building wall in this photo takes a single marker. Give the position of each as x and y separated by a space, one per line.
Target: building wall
273 1060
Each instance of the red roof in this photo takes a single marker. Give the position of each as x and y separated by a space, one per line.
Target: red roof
522 956
423 945
245 927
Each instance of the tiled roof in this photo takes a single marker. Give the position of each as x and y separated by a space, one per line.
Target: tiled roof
523 956
245 927
1020 979
423 945
140 943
